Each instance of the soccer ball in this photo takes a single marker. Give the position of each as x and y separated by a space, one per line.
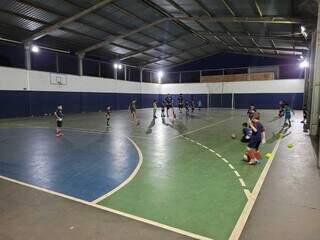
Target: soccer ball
233 136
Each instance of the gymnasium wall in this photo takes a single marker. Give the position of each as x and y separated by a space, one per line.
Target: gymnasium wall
264 94
25 93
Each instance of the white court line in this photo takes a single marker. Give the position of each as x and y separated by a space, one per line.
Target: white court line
236 173
235 235
199 129
242 182
248 193
230 166
140 219
133 174
96 131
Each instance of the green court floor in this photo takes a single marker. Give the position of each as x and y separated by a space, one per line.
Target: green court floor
192 176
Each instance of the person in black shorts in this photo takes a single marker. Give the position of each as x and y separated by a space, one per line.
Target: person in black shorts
169 105
163 104
180 103
59 118
192 104
108 115
186 104
133 111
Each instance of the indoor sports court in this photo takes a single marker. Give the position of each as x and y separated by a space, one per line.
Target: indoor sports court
147 119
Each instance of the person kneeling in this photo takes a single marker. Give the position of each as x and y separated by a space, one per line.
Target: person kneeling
247 132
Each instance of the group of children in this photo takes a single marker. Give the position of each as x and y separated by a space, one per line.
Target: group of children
253 130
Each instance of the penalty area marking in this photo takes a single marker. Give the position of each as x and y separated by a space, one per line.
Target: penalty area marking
111 210
252 197
133 174
199 129
242 183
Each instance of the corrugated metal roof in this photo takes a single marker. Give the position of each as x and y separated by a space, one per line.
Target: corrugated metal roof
173 41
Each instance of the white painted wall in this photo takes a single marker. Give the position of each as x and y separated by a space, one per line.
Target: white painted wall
275 86
20 79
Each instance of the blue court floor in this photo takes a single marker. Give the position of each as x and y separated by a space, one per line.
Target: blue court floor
82 165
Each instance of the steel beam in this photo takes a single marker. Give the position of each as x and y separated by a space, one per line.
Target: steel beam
65 21
112 39
268 20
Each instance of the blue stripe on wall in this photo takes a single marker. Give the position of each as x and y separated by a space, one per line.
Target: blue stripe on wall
268 100
27 103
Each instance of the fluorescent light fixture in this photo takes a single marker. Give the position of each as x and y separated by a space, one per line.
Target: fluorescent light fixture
303 31
35 49
304 64
117 66
159 75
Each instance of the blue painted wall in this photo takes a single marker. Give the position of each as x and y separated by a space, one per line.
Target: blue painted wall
27 103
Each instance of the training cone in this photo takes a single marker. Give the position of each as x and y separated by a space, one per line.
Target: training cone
268 155
290 145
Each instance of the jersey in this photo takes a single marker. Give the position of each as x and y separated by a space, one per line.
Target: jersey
168 101
133 106
59 114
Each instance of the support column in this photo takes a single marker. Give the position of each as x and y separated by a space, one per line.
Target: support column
141 70
27 55
57 63
314 118
99 69
310 80
80 63
125 72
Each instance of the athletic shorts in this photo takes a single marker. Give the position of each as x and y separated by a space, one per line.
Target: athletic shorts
59 124
133 110
254 144
180 105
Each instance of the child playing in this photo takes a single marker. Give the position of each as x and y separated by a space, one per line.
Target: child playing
192 104
59 117
247 132
287 115
281 108
305 113
252 154
187 106
133 111
154 106
252 109
180 103
199 104
108 115
162 108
